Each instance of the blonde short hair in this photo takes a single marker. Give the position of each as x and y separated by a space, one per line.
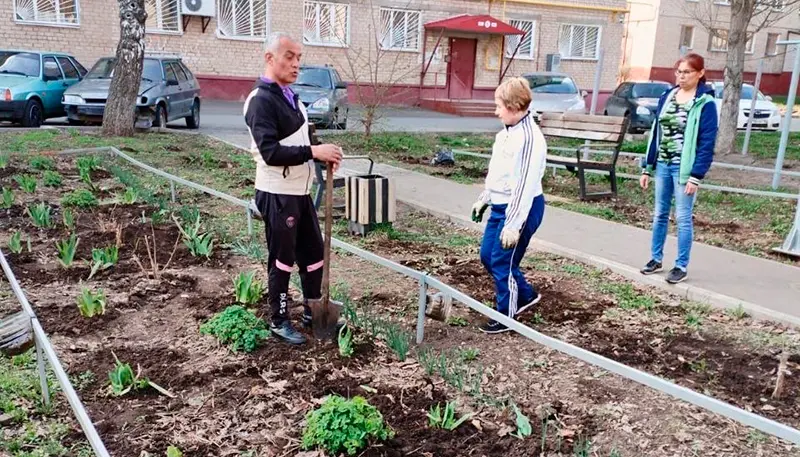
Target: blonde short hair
514 94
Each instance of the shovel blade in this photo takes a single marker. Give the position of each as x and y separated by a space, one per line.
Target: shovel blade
324 318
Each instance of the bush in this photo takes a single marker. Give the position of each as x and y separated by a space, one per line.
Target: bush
81 198
237 327
342 425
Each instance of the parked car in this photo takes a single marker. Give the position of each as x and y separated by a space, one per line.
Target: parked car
324 93
555 93
638 100
168 91
766 115
32 83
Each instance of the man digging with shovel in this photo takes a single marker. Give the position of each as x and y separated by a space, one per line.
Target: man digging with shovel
281 147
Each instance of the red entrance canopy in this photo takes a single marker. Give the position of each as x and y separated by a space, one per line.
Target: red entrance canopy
482 23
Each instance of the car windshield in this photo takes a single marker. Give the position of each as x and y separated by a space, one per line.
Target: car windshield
19 63
315 77
747 93
104 69
650 90
543 84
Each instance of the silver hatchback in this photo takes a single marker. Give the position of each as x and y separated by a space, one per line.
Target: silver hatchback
168 91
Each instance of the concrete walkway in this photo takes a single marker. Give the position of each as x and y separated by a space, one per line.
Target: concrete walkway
720 277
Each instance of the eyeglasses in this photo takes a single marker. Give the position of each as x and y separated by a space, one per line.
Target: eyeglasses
684 72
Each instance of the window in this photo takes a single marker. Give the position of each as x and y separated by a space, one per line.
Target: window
162 16
314 77
326 24
19 63
526 47
687 37
55 12
179 72
400 29
187 71
719 41
772 44
579 41
750 46
169 72
242 19
546 84
69 70
81 69
51 70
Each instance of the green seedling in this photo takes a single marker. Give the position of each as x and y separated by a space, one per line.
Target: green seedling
173 451
103 259
537 319
26 182
42 163
457 321
582 448
15 243
345 341
68 218
82 198
90 303
66 250
123 380
249 248
737 313
238 328
130 196
615 453
4 160
524 428
246 289
446 419
40 215
341 425
52 179
398 341
7 198
699 366
469 354
199 244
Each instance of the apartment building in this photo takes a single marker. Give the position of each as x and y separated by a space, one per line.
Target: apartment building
657 31
462 47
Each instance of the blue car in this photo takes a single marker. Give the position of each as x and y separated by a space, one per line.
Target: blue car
32 84
637 100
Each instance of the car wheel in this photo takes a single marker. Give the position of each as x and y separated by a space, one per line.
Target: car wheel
193 120
342 125
34 114
161 117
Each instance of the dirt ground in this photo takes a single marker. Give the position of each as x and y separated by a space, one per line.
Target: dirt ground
232 404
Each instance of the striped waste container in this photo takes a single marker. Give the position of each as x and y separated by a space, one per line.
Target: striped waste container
370 200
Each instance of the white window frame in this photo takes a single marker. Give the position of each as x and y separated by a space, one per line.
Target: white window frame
572 30
258 38
318 7
691 41
160 6
777 38
512 45
384 33
722 2
713 36
752 48
56 23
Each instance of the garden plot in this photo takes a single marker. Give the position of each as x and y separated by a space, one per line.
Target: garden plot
237 403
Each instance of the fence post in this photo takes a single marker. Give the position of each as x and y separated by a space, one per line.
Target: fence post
249 215
40 360
423 301
787 118
172 190
752 107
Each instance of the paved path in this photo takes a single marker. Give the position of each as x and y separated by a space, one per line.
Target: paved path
718 276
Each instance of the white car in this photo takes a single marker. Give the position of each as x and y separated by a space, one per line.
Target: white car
766 116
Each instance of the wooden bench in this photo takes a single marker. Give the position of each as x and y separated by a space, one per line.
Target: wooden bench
602 132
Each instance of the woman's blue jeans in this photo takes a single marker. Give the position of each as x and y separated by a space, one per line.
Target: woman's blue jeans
668 186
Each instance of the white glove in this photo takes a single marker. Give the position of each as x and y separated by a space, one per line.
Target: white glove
509 238
477 210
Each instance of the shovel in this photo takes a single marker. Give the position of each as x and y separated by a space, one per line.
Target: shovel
325 315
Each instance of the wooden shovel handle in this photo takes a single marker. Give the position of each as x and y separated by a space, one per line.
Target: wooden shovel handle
326 259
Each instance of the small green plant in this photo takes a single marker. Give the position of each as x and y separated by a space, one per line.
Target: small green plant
68 218
446 419
91 303
52 179
42 163
615 453
345 341
15 242
88 163
82 198
699 366
40 215
4 159
246 289
8 198
237 327
199 243
756 438
173 451
537 319
398 340
524 428
26 182
341 425
66 250
572 269
469 354
737 313
457 321
250 248
695 313
130 196
582 448
103 259
123 380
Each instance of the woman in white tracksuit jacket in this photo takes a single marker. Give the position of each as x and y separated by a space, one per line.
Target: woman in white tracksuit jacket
514 191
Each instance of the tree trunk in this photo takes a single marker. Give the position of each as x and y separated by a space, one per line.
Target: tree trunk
120 113
734 69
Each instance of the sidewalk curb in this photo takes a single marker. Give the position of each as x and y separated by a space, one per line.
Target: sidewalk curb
682 290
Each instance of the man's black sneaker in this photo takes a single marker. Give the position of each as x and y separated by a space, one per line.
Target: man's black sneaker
676 275
307 319
287 333
493 327
529 305
651 267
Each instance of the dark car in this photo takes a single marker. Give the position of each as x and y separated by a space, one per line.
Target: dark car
324 93
637 100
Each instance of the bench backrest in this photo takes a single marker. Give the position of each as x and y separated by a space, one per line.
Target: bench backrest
609 129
